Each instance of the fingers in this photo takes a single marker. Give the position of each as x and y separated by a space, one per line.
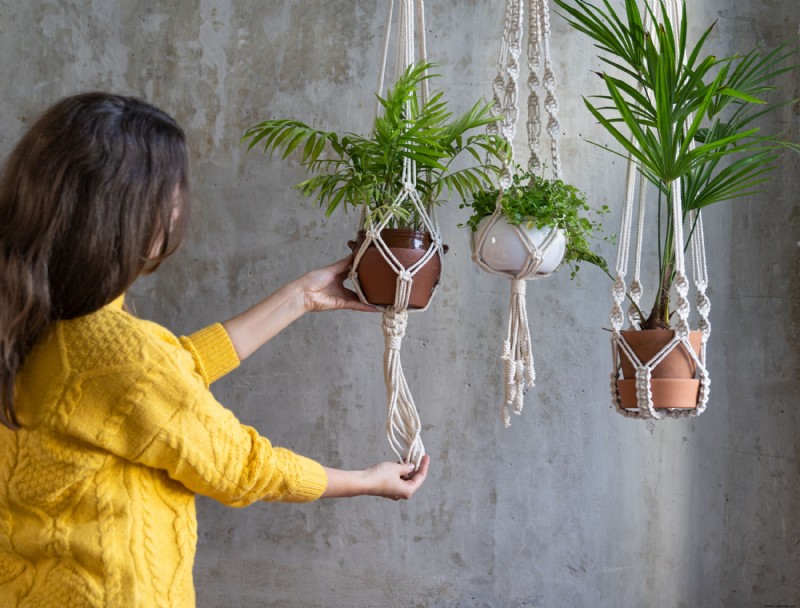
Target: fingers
418 477
353 303
411 480
341 268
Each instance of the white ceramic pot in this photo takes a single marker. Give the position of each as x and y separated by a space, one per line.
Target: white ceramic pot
504 251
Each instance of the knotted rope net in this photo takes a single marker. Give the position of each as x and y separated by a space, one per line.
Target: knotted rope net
403 424
620 347
517 357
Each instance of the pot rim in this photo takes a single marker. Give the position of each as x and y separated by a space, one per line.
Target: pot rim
421 235
529 218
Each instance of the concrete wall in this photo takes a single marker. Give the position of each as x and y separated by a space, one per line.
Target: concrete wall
573 506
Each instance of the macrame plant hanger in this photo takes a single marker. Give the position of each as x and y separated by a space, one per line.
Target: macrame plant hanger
620 347
403 423
518 362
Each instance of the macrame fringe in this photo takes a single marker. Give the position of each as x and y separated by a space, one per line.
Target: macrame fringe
517 357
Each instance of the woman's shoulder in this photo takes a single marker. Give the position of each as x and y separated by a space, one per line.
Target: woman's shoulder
107 351
110 337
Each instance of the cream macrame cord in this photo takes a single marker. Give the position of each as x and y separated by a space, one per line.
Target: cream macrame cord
620 347
403 424
517 357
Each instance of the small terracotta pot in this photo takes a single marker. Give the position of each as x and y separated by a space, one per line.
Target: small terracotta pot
672 383
379 280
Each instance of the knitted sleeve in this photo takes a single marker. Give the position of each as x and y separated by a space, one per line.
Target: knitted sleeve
167 419
212 352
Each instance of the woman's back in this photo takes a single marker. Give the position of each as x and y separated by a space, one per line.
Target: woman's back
83 525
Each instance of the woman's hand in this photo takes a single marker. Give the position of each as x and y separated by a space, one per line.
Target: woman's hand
324 289
386 479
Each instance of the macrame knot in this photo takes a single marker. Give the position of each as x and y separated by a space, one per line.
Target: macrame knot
618 290
682 307
553 126
371 234
643 379
644 397
703 304
617 316
681 284
682 329
394 329
634 316
498 85
394 324
512 69
636 290
535 257
409 187
518 287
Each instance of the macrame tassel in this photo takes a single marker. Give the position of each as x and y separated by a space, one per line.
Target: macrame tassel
403 424
518 370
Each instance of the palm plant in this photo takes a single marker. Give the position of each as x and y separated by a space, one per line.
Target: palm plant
690 117
351 170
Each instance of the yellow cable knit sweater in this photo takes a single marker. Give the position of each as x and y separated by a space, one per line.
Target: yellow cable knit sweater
119 432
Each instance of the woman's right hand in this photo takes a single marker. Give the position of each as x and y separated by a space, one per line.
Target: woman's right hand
324 289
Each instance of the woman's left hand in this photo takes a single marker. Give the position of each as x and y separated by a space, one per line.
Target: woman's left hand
386 479
324 289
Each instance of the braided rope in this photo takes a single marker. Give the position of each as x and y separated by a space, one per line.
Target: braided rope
619 346
403 424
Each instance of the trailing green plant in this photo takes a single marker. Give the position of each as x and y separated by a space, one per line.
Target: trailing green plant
536 201
687 118
350 170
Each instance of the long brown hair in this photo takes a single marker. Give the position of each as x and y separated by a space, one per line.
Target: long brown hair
87 204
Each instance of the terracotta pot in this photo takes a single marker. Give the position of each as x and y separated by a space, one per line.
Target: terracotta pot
378 279
672 383
504 251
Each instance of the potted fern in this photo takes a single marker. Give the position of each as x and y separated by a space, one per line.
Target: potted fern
537 206
689 121
351 171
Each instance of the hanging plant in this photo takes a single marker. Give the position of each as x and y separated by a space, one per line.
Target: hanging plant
688 122
696 128
396 176
538 206
351 171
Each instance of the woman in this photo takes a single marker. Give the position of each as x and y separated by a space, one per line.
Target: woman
109 427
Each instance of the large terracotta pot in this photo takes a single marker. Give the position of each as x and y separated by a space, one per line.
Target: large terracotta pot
504 251
673 382
379 280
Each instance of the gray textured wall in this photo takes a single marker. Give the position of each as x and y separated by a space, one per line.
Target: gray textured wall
573 506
